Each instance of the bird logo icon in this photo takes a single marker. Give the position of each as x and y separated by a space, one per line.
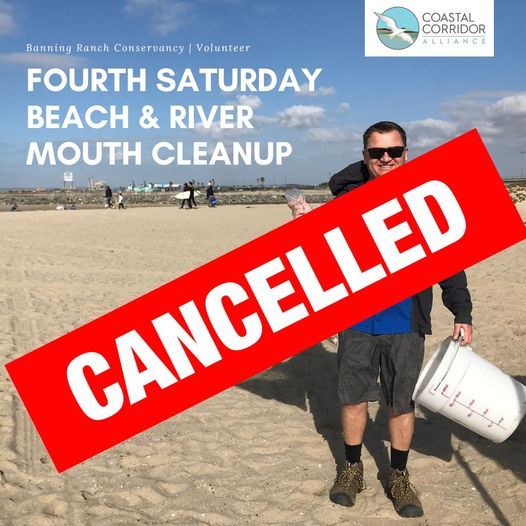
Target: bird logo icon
397 28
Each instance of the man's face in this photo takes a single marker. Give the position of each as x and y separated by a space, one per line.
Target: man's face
379 167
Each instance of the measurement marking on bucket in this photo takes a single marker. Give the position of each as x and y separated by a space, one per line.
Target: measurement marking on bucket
455 399
497 423
472 410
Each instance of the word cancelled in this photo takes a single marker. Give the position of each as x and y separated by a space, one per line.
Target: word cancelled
266 301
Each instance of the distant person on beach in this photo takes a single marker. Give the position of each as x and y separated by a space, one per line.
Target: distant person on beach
191 199
121 201
389 344
108 195
186 188
210 194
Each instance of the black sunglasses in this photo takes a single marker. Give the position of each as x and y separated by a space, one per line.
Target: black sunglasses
394 152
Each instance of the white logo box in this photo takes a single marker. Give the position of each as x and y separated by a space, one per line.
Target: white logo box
448 28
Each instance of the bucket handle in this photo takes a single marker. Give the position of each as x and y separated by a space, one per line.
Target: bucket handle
454 355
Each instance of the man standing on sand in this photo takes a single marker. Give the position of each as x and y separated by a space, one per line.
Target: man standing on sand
191 199
389 344
186 188
108 195
209 193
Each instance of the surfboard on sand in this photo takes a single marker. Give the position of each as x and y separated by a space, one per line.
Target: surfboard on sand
186 195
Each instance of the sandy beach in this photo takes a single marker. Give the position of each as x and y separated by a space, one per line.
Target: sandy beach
263 452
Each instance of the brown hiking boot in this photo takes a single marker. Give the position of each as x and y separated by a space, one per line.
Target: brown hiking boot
403 494
348 484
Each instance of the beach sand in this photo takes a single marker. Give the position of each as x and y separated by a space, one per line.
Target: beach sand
263 452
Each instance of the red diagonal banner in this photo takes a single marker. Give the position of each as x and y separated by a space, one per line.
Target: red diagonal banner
266 301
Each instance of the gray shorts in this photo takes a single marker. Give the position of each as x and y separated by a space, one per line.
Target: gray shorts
396 358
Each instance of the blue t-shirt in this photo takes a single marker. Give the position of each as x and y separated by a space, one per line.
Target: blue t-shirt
394 320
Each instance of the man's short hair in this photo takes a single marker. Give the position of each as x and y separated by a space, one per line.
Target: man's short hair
384 127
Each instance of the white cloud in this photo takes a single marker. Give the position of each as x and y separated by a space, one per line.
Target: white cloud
510 105
7 21
495 115
165 16
325 92
328 135
493 94
216 133
300 116
504 114
249 100
43 60
263 120
505 117
428 133
344 106
320 92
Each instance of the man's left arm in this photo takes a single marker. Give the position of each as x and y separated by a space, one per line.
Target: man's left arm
456 297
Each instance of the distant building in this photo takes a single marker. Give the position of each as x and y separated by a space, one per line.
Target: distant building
154 187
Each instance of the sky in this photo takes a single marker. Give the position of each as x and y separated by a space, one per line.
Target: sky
434 99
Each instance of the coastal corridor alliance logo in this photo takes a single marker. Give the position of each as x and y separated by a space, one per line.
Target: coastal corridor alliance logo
429 28
397 28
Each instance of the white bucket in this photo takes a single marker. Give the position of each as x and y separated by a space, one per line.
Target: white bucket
464 387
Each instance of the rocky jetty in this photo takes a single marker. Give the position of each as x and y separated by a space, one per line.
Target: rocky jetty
32 200
43 200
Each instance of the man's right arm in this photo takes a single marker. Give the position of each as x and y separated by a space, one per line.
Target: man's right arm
456 297
348 179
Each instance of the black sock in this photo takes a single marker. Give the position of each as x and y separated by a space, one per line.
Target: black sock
399 459
353 453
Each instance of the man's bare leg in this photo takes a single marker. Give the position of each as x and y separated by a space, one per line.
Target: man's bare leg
401 428
354 420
